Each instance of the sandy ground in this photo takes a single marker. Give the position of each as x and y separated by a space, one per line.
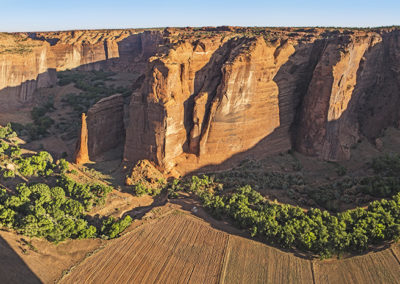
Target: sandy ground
25 260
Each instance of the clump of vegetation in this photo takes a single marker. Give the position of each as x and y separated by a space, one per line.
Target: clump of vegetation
173 188
88 195
7 132
39 164
54 208
140 189
41 122
316 231
379 186
63 166
40 211
259 179
92 85
112 228
388 165
8 174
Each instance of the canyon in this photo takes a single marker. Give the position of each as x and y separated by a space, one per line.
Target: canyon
206 98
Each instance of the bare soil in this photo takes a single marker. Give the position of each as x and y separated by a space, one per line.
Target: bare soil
252 262
25 260
174 249
375 267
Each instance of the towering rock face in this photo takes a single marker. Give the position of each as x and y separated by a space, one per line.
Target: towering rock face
210 97
213 101
205 101
23 68
353 93
326 126
81 155
106 125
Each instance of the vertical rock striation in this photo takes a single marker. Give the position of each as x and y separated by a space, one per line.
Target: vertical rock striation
203 103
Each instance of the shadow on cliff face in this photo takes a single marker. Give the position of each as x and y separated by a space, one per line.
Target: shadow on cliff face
380 96
371 108
373 105
128 55
131 54
207 80
292 80
12 268
18 96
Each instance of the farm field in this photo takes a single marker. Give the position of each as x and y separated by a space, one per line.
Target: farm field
396 251
248 261
180 248
376 267
175 249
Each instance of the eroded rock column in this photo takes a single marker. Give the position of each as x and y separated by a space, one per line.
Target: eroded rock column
81 155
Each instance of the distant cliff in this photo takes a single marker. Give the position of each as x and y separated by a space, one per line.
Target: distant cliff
29 60
213 96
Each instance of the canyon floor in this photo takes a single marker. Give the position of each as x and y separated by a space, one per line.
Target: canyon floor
177 240
173 244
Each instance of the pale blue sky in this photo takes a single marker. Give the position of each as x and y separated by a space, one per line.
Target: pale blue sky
44 15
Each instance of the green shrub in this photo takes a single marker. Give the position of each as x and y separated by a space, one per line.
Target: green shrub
112 228
316 231
15 151
39 164
173 188
8 174
88 194
341 171
140 189
388 165
7 132
63 166
3 146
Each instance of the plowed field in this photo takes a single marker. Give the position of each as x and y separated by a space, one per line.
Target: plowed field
176 249
180 248
380 267
252 262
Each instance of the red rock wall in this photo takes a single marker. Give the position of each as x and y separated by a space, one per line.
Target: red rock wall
105 125
205 101
214 101
214 96
29 61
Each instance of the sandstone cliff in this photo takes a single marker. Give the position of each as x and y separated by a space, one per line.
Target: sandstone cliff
29 60
213 96
214 100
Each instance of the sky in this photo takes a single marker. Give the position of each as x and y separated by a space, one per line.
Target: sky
51 15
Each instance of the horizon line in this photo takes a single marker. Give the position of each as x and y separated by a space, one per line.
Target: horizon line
207 26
